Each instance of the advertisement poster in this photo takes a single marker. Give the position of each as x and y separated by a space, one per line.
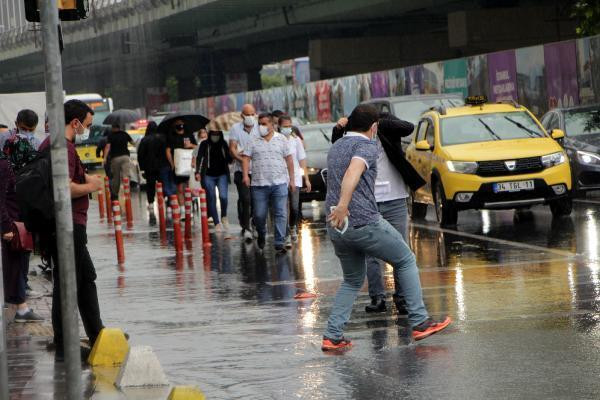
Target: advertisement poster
337 99
240 100
588 69
502 71
299 103
379 84
278 98
210 108
455 76
364 87
323 97
350 87
396 81
531 79
413 80
433 78
561 74
311 101
477 76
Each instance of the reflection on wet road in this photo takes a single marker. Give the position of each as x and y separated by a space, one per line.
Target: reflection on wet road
524 292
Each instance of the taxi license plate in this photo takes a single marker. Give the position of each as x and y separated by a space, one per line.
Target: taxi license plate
513 186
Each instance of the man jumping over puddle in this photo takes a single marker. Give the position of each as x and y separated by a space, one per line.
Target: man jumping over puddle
357 231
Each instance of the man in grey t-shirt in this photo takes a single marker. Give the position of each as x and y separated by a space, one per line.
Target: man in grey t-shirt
357 230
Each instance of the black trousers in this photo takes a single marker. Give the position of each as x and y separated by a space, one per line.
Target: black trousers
244 203
87 295
151 178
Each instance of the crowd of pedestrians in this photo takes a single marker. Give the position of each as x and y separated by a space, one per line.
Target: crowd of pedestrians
368 182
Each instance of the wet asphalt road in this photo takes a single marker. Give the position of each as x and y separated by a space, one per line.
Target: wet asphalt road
523 290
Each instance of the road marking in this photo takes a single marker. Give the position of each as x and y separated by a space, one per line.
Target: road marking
563 253
586 201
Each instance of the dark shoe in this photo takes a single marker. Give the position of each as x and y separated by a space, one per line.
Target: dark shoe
429 327
30 316
400 305
333 344
261 242
59 355
280 249
377 305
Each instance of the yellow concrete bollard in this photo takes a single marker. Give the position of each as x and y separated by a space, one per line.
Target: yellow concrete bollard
186 393
110 349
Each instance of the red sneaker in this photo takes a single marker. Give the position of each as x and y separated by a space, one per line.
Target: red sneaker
333 344
429 327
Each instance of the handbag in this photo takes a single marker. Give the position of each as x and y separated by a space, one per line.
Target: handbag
22 240
183 162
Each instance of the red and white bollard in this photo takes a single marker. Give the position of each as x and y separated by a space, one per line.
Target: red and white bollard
204 219
118 232
176 224
128 209
107 199
101 204
188 213
161 208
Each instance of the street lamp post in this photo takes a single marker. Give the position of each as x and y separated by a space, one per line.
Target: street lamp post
62 195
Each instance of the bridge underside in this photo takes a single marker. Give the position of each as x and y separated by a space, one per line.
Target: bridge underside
191 49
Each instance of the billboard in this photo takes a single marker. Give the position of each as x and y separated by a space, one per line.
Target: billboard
502 73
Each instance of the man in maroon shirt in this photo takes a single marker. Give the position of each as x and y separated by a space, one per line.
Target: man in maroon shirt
78 118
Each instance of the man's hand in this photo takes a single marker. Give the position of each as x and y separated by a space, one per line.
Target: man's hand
342 122
246 180
292 187
8 236
337 216
307 185
197 177
95 182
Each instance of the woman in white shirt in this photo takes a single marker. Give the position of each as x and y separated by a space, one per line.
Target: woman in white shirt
299 159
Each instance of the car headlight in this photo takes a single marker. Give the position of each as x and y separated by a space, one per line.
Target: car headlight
462 167
588 158
553 159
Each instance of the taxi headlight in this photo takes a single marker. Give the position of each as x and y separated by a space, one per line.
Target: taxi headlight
553 159
462 167
588 158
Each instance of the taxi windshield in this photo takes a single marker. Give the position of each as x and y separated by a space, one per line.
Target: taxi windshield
487 127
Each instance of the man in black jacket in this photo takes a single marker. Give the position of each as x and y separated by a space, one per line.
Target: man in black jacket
395 177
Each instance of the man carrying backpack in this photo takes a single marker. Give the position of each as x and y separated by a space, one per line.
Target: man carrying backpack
78 118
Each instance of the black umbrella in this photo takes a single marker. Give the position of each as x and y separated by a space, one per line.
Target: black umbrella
121 117
193 121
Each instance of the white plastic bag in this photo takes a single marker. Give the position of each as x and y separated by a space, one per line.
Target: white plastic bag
183 162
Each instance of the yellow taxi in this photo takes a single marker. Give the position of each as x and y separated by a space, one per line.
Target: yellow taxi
487 156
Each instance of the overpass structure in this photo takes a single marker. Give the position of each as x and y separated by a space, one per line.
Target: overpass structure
131 49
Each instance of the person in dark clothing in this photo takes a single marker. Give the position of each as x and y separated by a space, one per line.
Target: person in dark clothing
100 153
116 148
152 159
395 178
213 168
179 138
78 118
16 153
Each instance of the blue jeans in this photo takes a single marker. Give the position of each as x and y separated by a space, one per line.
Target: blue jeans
381 240
167 179
211 183
396 213
276 196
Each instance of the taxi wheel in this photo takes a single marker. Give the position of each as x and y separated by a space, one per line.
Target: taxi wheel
416 211
562 207
445 210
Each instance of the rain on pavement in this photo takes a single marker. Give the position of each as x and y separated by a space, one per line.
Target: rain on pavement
523 291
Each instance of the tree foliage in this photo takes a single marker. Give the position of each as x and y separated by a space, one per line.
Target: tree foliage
587 13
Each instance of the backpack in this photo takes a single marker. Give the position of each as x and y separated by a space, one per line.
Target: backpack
35 194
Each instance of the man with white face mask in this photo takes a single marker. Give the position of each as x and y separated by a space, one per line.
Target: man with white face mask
272 174
25 126
239 137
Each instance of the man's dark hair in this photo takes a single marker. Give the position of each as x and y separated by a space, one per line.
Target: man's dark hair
2 126
362 118
284 117
277 113
265 115
28 118
151 128
76 109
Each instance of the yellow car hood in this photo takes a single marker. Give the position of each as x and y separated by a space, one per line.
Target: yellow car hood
502 149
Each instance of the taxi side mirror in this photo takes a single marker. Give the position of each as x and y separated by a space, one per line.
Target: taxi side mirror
422 145
557 134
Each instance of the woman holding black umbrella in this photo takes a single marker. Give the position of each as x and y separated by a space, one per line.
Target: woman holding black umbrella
180 138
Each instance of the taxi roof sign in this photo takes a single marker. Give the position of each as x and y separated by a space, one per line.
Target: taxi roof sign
476 100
